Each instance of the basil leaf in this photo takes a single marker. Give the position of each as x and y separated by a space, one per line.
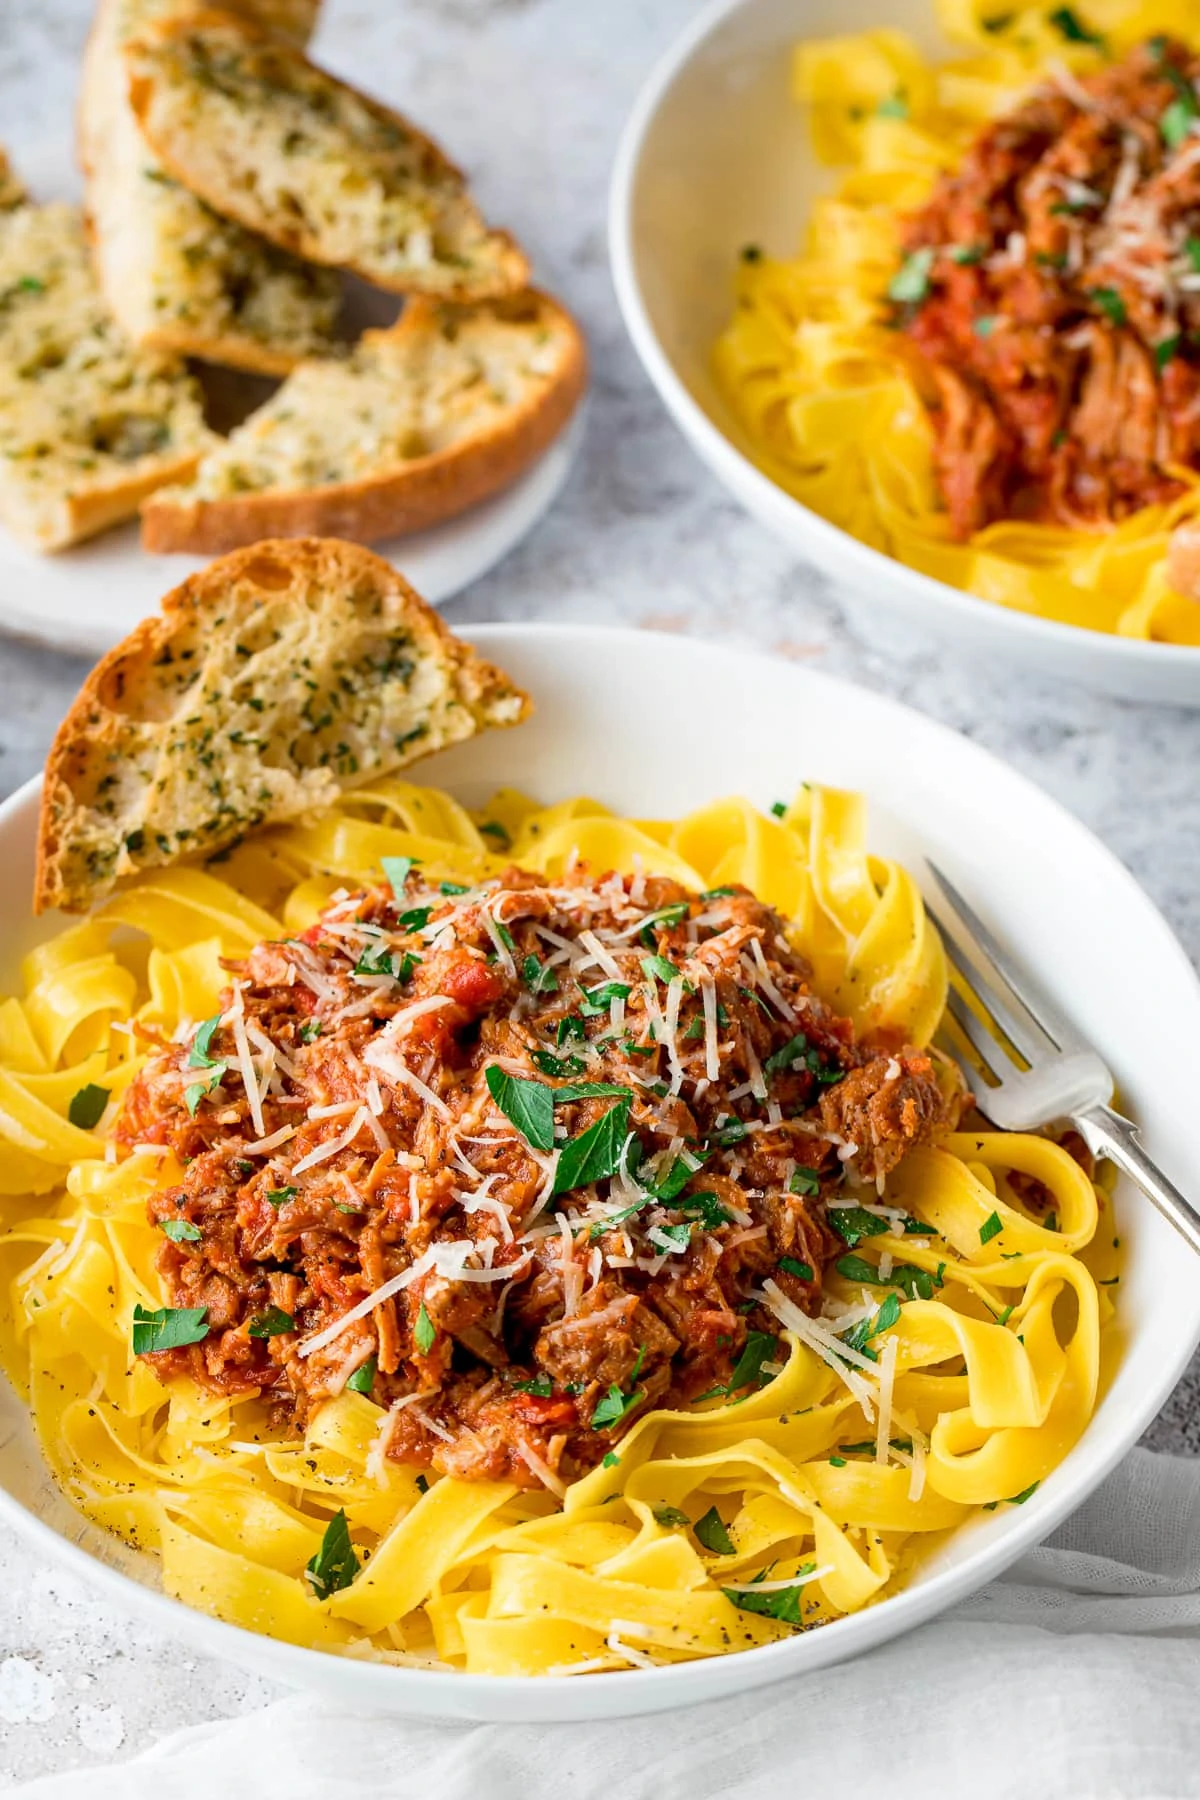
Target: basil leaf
590 1090
192 1096
731 1133
718 893
493 829
1073 28
570 1027
272 1323
538 977
1175 126
452 889
415 919
707 1209
169 1328
528 1105
336 1564
87 1106
793 1052
180 1231
363 1378
894 107
618 1218
278 1196
541 1386
792 1266
596 1153
397 870
198 1056
804 1181
780 1603
659 967
677 1237
1107 298
712 1533
678 1175
425 1331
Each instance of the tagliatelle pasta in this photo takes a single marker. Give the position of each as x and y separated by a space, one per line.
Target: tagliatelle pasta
954 1363
827 390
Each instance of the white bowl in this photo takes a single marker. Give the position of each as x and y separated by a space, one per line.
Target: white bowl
716 155
656 725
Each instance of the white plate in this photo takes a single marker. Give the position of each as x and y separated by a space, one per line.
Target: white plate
87 599
716 155
655 725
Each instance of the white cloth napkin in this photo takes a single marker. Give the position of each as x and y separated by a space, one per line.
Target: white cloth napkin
1077 1676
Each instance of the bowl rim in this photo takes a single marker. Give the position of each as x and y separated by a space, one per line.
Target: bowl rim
724 456
435 1692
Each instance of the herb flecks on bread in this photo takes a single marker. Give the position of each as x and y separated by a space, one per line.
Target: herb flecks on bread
272 682
249 124
88 424
177 276
418 424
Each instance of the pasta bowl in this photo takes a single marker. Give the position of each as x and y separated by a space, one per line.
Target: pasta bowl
716 155
628 717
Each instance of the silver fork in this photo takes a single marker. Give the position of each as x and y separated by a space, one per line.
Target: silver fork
1064 1078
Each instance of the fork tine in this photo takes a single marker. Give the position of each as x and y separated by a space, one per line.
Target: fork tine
1020 1029
978 1087
988 1049
1008 975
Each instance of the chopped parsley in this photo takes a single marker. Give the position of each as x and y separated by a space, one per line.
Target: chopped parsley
778 809
670 1516
658 967
193 1095
860 1335
730 1133
453 888
87 1106
311 1029
1167 350
799 1053
1068 22
336 1564
541 1386
280 1196
895 106
1192 252
917 1283
1110 303
272 1323
1178 118
617 1403
853 1223
180 1231
597 1000
967 255
780 1603
611 1461
984 326
527 1105
671 1237
416 918
421 1483
801 1270
363 1378
169 1328
494 829
718 893
990 1228
538 977
707 1209
397 870
710 1529
425 1331
908 287
804 1181
198 1055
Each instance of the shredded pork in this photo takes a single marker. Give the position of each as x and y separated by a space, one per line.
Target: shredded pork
370 1195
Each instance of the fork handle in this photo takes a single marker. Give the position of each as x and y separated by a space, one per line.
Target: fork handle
1106 1133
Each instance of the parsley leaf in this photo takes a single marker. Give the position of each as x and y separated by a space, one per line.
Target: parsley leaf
760 1347
804 1181
192 1096
730 1133
616 1403
909 286
1073 28
611 1461
452 889
917 1283
180 1231
557 1065
415 919
801 1270
990 1228
397 870
596 1000
279 1196
671 1516
894 107
595 1153
198 1056
336 1564
712 1533
779 1603
859 1336
425 1331
853 1223
718 893
538 977
168 1328
658 966
87 1106
1167 349
541 1386
528 1105
363 1378
1109 300
1176 121
272 1323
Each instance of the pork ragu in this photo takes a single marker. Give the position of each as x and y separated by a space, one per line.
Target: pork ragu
1052 288
516 1162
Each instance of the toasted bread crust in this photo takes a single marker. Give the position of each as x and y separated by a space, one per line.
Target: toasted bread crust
145 714
410 498
507 266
